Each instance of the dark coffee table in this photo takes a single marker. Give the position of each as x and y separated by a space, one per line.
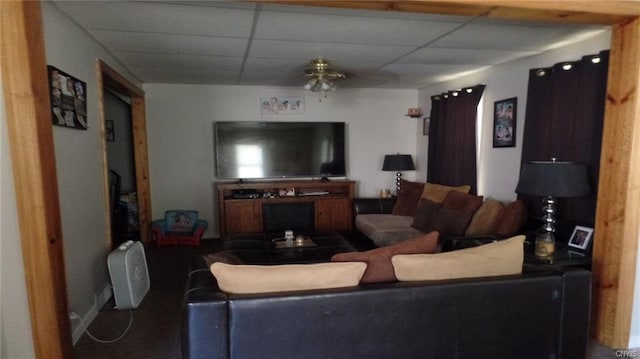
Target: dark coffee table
262 249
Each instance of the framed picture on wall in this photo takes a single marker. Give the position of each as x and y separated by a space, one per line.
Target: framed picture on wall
425 126
504 122
68 99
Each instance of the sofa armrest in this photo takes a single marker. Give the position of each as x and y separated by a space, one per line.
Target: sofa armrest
373 205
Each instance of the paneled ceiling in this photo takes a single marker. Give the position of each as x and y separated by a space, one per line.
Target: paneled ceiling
220 42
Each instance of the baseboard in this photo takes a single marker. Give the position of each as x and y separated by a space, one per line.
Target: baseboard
100 300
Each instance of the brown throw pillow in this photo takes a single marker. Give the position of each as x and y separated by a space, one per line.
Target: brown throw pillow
431 217
379 268
511 218
462 202
438 192
408 198
485 219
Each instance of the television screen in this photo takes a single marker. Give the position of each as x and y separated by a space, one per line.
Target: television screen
246 150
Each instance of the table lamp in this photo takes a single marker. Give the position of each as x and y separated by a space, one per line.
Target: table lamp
398 163
551 179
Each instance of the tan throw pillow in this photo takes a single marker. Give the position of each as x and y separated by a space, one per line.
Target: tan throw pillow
511 218
431 217
498 258
438 192
379 268
408 198
245 279
463 202
485 219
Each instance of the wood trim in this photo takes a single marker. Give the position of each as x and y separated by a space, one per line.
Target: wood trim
617 226
112 79
582 12
141 155
26 92
20 61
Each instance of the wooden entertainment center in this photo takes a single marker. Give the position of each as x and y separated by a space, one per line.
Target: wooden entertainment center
329 203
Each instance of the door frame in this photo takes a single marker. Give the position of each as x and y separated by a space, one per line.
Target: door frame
108 77
617 228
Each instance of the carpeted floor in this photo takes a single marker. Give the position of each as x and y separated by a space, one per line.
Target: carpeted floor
155 330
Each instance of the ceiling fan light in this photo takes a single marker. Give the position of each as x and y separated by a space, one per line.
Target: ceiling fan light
325 85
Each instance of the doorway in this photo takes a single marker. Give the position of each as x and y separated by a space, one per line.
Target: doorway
125 157
123 202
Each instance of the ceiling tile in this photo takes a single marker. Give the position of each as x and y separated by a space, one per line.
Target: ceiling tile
430 55
170 44
352 30
505 37
160 17
173 61
307 51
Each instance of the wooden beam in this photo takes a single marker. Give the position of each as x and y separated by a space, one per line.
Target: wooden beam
26 92
618 210
580 12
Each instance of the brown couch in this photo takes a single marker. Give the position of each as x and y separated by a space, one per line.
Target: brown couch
421 208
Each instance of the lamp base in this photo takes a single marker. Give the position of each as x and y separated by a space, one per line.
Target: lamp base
545 244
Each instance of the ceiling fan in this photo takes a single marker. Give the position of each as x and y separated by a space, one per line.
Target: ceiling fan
321 76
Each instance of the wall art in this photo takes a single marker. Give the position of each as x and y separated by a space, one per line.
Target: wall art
281 105
68 99
504 122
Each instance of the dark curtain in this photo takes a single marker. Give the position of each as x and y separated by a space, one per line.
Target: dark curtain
564 118
452 137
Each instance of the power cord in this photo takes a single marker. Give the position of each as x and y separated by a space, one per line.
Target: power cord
73 316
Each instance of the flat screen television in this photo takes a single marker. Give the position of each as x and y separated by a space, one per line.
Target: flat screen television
255 150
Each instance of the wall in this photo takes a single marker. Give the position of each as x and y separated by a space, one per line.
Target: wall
15 326
180 133
80 169
498 168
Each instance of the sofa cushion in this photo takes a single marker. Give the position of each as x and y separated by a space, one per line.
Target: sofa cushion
379 268
485 219
438 192
430 217
463 202
408 198
498 258
223 257
511 218
246 279
386 229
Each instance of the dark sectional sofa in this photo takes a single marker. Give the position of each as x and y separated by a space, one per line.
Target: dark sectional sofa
533 315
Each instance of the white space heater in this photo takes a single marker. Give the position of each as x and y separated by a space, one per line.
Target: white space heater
129 274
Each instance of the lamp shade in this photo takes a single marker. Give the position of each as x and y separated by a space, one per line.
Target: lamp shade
398 163
556 179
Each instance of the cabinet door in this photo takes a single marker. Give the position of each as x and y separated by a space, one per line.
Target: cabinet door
333 215
243 216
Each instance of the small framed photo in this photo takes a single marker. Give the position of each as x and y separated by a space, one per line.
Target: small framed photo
581 237
504 122
425 126
108 127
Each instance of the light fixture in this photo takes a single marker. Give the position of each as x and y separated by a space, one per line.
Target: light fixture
551 179
321 76
398 163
